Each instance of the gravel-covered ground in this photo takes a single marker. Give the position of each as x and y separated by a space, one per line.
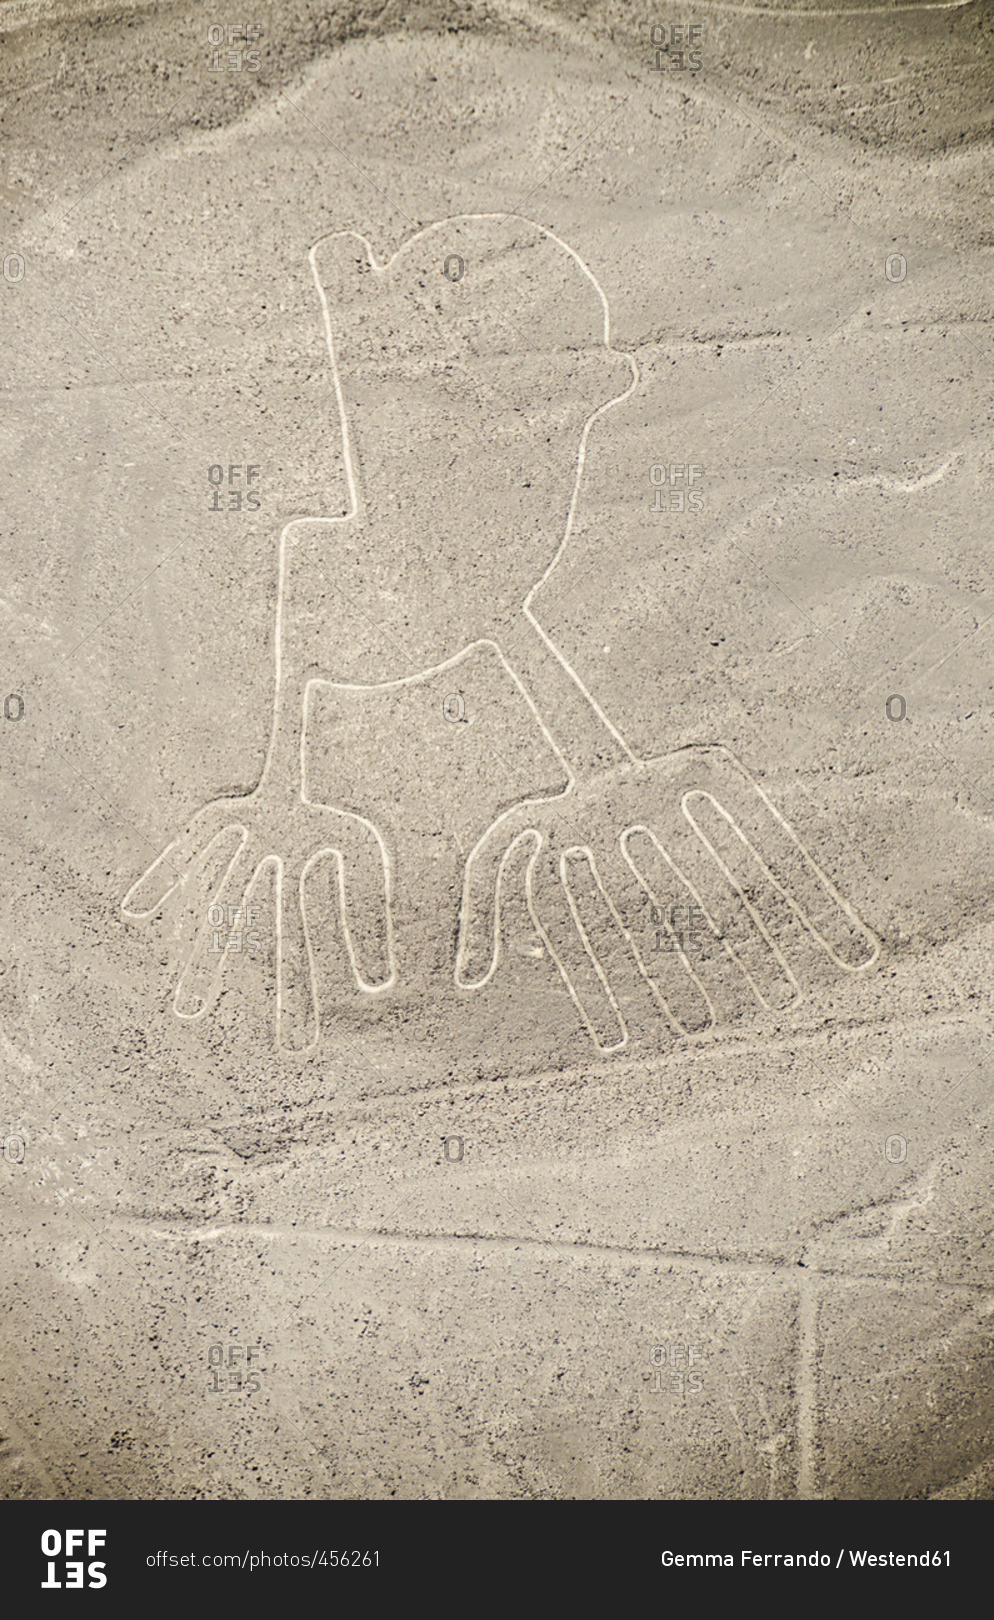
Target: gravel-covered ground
495 914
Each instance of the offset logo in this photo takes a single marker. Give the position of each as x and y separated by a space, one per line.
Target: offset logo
489 336
66 1567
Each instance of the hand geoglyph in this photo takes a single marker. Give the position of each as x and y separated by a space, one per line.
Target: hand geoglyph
668 891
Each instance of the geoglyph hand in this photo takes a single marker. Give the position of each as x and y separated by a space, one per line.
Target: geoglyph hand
215 867
668 889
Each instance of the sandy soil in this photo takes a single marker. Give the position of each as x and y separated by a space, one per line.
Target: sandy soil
494 993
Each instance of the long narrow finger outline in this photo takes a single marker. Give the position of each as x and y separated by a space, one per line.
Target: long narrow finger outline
527 835
371 988
193 858
313 1012
614 1046
212 981
843 905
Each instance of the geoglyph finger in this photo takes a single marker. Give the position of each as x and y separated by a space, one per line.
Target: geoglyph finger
177 864
563 932
364 888
487 874
759 850
215 915
297 1017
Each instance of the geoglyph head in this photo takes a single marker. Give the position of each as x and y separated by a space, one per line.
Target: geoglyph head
489 314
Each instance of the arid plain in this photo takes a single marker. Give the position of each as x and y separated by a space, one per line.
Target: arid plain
496 760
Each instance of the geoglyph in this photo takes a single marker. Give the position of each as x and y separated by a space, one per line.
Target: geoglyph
668 890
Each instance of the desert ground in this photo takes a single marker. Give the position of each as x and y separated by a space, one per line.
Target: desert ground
496 751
